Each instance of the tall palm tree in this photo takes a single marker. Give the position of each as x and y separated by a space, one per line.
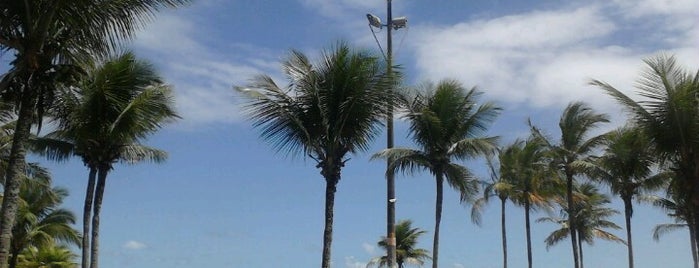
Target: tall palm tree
496 187
40 222
590 217
669 114
447 124
49 256
626 166
523 166
47 38
330 109
406 247
118 104
574 151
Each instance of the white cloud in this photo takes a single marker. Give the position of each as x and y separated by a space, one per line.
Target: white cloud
459 265
351 262
541 59
202 76
134 245
369 248
343 8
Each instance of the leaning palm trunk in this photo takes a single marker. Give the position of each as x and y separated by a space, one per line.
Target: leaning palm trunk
87 212
437 220
628 211
580 248
99 194
693 241
15 169
527 208
504 232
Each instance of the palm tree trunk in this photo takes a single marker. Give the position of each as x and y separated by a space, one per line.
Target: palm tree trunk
330 189
695 211
529 236
87 210
504 233
437 220
693 242
628 212
14 257
580 248
99 194
15 170
571 221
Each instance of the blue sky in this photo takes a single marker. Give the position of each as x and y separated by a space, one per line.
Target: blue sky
225 199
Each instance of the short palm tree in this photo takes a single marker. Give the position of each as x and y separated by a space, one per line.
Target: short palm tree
49 256
48 38
626 166
448 125
40 222
406 247
118 104
574 151
668 112
496 187
331 109
590 216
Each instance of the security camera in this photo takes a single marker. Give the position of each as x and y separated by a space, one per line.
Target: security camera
400 22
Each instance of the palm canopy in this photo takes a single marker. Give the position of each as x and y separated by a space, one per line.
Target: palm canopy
40 221
116 106
329 109
495 187
50 39
447 124
53 256
406 247
627 163
590 215
668 112
524 166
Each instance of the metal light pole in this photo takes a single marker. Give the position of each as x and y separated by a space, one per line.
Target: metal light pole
390 176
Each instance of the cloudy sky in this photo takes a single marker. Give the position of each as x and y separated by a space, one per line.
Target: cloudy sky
225 199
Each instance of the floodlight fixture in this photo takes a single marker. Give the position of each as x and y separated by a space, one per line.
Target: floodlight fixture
374 21
400 22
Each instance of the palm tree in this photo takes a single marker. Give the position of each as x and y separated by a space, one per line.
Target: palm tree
590 218
678 206
47 38
523 166
669 114
626 166
330 109
49 256
40 222
118 104
496 187
574 150
406 247
448 125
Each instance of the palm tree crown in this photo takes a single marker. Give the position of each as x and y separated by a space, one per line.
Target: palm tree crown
406 247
